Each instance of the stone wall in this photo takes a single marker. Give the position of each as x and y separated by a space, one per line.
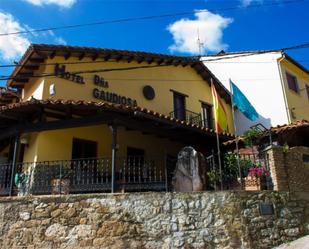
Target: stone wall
289 171
153 220
297 169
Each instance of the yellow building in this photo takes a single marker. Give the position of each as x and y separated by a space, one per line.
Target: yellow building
109 112
295 80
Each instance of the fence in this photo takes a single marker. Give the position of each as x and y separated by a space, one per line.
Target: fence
83 175
133 173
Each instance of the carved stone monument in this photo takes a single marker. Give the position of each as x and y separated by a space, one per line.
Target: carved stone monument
190 172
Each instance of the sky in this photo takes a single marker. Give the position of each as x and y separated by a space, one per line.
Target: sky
230 25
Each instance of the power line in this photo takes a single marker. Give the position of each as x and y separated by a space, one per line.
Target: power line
131 19
88 71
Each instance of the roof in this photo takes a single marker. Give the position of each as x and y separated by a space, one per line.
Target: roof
36 54
254 52
288 127
285 133
296 63
8 96
11 114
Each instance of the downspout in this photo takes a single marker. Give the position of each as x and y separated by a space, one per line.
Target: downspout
283 88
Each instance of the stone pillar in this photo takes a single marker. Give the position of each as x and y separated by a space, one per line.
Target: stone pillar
277 168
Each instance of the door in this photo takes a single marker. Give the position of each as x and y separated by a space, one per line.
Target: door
207 115
179 106
84 149
85 170
135 163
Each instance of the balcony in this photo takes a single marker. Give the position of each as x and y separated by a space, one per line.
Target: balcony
187 116
84 176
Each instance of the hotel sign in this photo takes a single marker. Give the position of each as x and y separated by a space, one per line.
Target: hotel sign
60 72
99 82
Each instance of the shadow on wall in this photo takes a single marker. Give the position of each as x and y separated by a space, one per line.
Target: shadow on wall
243 123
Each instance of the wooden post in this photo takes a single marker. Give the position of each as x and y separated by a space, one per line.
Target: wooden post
15 152
114 152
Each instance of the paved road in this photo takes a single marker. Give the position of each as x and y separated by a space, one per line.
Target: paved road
302 243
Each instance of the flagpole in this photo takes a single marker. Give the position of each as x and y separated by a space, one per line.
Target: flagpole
218 145
237 138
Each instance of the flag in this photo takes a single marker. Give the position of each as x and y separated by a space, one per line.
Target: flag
242 103
221 122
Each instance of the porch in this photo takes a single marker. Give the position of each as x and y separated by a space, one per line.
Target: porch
112 169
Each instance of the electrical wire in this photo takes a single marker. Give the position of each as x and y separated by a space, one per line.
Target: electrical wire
88 71
131 19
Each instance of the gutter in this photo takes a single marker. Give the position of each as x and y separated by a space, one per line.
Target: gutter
283 87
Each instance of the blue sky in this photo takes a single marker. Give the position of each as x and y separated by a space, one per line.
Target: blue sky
245 28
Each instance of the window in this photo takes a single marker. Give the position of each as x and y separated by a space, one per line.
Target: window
207 115
307 90
84 149
292 82
179 106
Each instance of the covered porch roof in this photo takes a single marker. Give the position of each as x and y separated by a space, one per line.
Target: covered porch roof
294 134
39 115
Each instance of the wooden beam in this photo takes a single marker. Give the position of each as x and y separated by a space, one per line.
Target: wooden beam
168 61
106 57
176 62
184 63
81 56
117 57
24 80
67 55
36 60
31 67
149 60
130 58
52 54
160 61
95 56
55 125
24 75
140 60
9 117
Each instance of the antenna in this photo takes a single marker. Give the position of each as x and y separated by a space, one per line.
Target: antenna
199 43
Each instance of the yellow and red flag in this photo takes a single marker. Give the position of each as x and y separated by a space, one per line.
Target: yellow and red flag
221 122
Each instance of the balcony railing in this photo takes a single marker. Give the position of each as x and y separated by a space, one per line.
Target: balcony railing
84 175
188 116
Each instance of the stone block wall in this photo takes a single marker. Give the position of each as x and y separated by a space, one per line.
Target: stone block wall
289 171
153 220
297 169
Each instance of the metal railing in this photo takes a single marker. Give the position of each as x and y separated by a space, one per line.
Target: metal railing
83 176
230 173
188 116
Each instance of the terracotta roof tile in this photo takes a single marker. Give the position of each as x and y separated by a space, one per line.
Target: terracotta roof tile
110 106
279 129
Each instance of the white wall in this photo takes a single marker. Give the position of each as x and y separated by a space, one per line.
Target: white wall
257 76
38 93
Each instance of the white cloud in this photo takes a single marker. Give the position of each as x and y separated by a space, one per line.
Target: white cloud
60 40
11 46
246 3
210 28
61 3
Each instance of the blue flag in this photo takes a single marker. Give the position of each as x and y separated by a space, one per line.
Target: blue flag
242 103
